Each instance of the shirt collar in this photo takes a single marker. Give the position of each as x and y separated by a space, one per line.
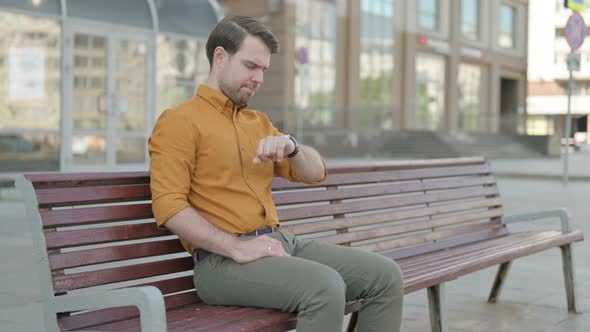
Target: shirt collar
217 99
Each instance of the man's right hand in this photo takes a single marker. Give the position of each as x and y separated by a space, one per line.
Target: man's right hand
262 246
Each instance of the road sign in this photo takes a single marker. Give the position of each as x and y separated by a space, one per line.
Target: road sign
575 31
577 5
573 61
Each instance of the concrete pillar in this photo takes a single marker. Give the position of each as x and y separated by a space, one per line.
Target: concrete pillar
452 77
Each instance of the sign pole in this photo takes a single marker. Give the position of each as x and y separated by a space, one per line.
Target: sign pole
568 124
575 32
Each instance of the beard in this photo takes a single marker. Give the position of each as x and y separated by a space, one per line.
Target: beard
234 93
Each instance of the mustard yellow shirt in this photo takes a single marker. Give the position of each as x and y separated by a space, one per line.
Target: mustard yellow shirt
201 156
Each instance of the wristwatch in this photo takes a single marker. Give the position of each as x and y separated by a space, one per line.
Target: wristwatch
296 150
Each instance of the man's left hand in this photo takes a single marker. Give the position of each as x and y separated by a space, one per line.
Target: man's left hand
273 148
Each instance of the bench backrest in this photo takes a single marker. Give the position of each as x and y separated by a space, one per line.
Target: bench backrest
97 230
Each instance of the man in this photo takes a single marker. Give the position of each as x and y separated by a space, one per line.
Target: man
212 164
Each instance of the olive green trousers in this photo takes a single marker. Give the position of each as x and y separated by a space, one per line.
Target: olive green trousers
316 281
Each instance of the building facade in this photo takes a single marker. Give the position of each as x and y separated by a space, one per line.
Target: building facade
548 74
84 81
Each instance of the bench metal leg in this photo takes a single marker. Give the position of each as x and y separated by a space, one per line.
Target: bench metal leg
567 256
354 318
438 308
500 277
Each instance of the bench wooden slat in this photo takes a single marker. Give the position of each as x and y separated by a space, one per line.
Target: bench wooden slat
284 198
382 203
197 318
387 176
514 247
173 285
219 319
427 237
377 218
55 197
114 253
95 215
457 255
112 275
353 236
80 237
425 248
98 317
441 254
85 179
278 322
488 260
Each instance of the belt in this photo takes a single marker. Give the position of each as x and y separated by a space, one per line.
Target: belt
201 254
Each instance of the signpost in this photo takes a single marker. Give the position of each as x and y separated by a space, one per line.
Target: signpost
575 32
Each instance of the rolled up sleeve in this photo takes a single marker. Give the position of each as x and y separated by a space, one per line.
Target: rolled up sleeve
172 148
284 169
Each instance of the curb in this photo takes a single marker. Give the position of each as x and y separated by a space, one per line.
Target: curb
553 177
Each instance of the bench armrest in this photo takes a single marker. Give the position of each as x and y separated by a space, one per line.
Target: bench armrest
148 299
562 214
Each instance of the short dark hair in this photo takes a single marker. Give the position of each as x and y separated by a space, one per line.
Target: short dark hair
230 33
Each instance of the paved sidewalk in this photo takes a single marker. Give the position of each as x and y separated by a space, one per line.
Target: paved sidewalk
547 168
533 298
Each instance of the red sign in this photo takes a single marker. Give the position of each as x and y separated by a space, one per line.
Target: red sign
575 31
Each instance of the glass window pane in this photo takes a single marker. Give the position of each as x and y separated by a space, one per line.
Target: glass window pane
376 63
89 104
182 66
131 150
29 152
506 36
129 12
430 90
88 150
51 7
469 96
30 72
470 19
131 90
428 13
315 76
186 17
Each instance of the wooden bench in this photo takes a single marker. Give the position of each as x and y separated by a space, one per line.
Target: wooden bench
95 238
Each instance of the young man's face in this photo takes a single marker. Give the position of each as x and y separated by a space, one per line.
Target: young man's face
242 74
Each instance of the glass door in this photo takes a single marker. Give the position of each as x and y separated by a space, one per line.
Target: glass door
106 99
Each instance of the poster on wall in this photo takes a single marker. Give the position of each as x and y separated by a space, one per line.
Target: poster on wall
26 73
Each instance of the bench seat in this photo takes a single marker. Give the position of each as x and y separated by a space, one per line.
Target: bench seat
420 271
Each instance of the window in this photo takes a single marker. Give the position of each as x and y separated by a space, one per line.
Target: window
430 90
469 96
182 66
539 125
428 14
470 19
29 93
507 36
315 68
376 63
